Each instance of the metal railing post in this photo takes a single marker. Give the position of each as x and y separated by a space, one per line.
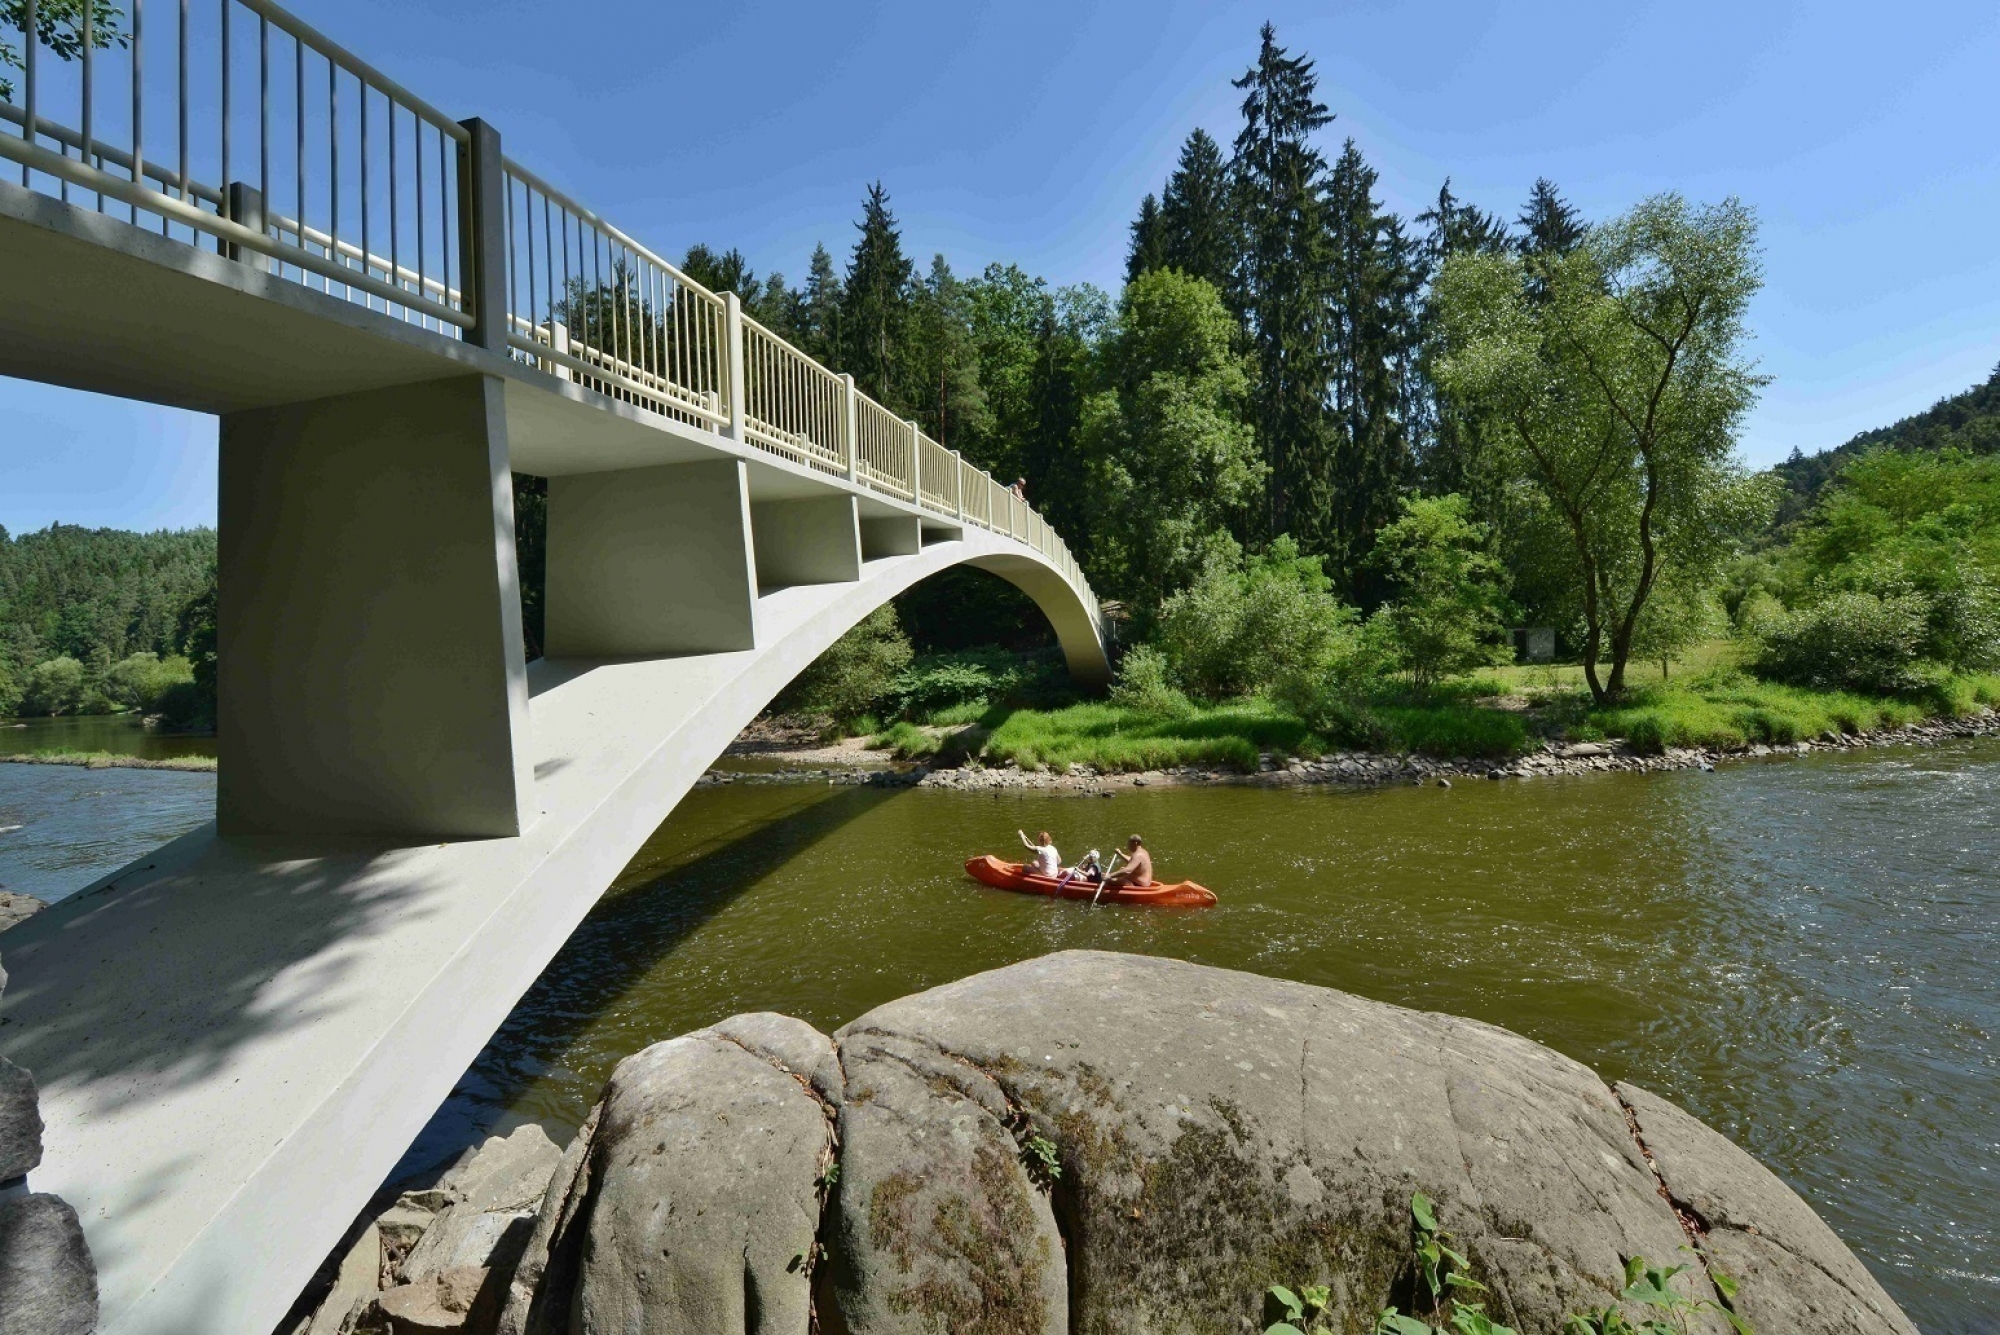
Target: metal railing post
850 426
559 342
245 205
917 465
958 486
482 234
732 323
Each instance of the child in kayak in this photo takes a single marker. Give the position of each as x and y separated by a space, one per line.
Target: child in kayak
1090 871
1046 861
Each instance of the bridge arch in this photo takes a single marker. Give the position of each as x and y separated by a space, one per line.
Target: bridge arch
237 1035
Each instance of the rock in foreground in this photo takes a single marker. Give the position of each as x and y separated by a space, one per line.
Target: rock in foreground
1111 1143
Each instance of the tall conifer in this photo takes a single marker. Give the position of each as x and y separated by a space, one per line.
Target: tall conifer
875 303
1283 275
1147 251
1197 222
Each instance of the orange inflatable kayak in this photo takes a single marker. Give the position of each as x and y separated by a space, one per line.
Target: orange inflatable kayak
1013 876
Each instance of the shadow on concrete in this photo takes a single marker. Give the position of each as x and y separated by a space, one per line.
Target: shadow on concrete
154 977
632 929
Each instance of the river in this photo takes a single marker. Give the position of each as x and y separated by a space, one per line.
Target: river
1800 951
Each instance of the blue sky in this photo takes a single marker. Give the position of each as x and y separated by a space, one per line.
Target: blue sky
1862 134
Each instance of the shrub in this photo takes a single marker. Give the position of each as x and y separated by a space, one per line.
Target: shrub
1446 617
1245 626
140 681
1458 730
1849 641
858 669
184 706
54 686
10 692
1146 687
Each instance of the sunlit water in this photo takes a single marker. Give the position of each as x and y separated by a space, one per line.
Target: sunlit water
120 734
1800 951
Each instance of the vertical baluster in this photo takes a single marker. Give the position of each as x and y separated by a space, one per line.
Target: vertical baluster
333 168
138 102
299 147
445 224
548 260
395 256
367 250
187 192
422 273
528 208
263 112
89 95
31 35
512 232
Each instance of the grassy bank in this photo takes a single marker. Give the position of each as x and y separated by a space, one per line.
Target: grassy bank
109 760
1496 715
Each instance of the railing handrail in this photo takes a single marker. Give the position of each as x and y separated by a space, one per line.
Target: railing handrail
670 345
564 199
333 51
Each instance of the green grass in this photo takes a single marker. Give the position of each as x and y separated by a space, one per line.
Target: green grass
1726 710
906 741
107 760
1707 703
1112 738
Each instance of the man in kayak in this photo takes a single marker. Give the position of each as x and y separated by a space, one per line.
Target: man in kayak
1046 861
1138 869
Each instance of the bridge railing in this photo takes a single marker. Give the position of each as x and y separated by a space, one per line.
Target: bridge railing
236 127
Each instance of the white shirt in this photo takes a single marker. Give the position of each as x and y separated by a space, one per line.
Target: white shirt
1047 862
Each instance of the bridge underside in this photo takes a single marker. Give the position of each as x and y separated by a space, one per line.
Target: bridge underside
238 1035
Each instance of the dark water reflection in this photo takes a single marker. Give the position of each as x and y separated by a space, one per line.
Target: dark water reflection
1801 952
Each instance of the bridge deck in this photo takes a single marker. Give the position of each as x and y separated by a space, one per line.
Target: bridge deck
236 1038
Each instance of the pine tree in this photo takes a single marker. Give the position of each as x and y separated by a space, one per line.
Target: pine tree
1147 252
1371 339
1284 277
940 363
1197 221
875 304
727 272
1443 435
1549 225
819 309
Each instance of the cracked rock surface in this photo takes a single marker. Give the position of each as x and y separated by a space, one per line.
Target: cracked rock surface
1212 1132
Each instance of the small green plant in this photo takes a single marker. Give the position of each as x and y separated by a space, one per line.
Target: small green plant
1298 1313
831 1177
1444 1275
1651 1286
1043 1159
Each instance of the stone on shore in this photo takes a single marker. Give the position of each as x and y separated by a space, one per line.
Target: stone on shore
48 1284
17 908
1126 1144
700 1202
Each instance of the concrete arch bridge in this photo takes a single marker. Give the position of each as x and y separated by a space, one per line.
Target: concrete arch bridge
237 1036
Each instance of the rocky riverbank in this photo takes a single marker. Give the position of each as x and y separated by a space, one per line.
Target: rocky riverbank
1102 1142
1349 768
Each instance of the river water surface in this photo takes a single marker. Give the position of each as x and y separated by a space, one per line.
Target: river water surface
1800 951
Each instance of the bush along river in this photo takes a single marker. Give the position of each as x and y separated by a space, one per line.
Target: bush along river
1797 950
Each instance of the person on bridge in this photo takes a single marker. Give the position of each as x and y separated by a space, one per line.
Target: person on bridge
1138 869
1020 489
1046 861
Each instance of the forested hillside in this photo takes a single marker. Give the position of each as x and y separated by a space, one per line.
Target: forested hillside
1969 422
78 606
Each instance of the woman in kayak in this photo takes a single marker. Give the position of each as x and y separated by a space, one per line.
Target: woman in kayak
1046 861
1138 869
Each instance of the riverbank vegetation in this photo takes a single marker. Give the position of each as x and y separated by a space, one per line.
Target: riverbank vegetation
99 621
1328 462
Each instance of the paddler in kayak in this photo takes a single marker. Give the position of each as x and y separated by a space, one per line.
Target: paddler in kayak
1046 861
1138 869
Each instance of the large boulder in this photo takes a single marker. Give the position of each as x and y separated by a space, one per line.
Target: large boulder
702 1191
48 1284
1111 1143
